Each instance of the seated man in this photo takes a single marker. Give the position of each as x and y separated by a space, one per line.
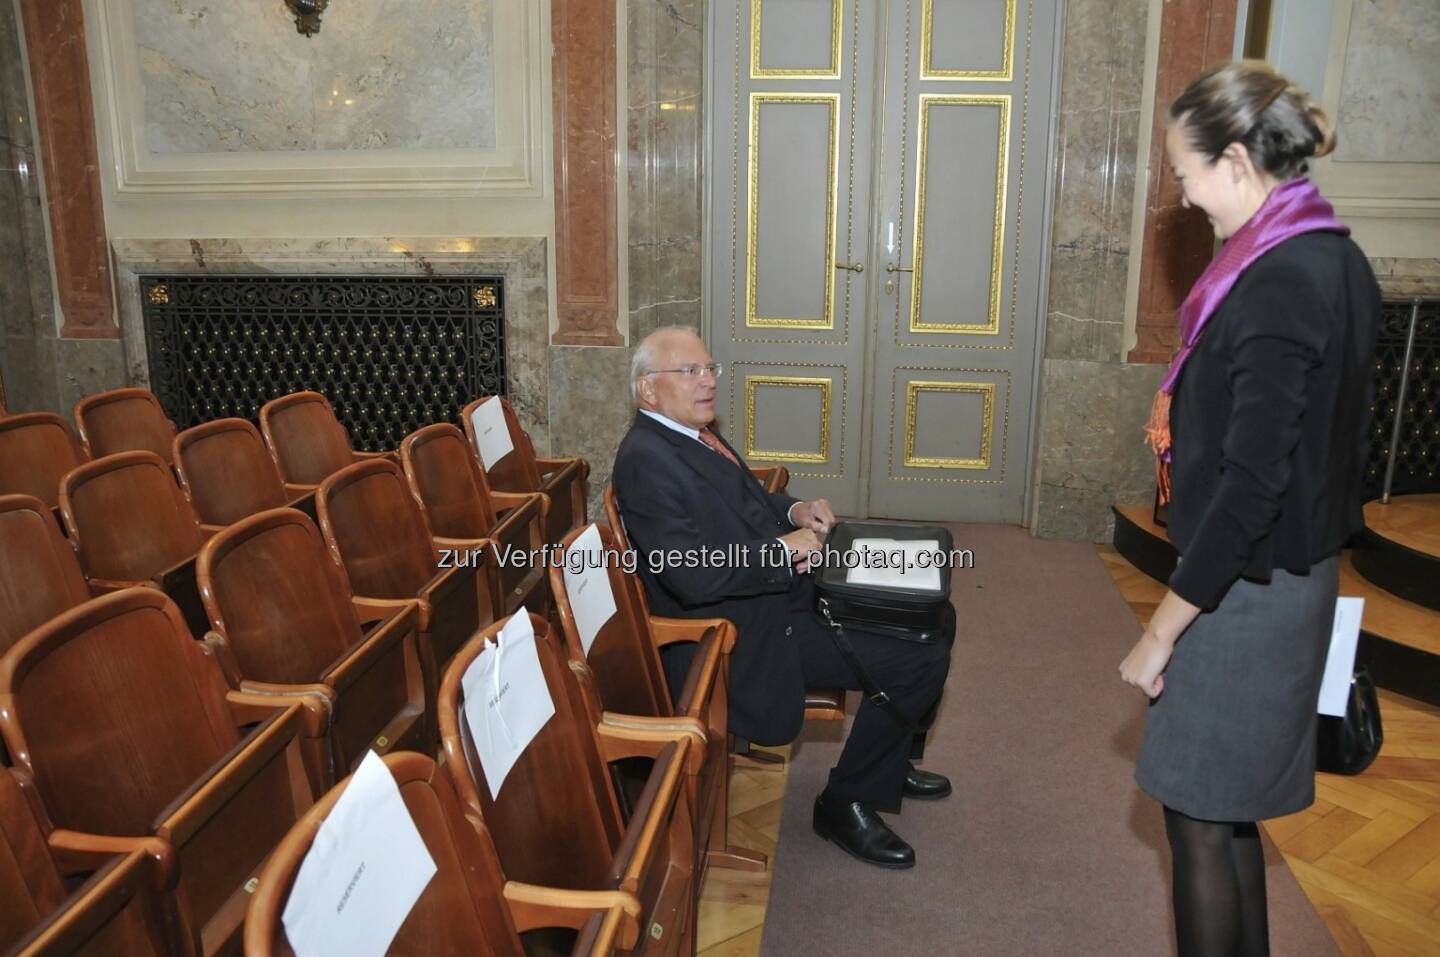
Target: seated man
680 486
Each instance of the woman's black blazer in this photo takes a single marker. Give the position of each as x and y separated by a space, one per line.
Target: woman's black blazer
1271 417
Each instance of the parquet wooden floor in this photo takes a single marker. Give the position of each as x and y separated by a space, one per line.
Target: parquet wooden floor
1367 853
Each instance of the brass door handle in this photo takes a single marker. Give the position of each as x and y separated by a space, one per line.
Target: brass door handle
896 267
853 267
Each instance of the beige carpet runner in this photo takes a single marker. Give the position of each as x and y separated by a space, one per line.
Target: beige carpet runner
1046 847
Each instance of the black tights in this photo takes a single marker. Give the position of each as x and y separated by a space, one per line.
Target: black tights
1219 887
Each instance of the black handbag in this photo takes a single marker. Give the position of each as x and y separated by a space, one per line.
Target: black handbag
1347 745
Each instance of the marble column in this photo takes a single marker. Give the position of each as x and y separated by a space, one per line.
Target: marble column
1092 404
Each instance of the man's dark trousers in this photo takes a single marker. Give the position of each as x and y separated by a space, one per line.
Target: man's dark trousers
874 760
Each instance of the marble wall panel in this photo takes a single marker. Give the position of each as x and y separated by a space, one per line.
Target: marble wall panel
665 141
221 77
1390 94
590 410
1092 406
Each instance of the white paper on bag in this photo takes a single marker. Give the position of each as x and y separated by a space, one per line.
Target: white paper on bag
890 563
492 435
1340 661
507 701
363 874
587 583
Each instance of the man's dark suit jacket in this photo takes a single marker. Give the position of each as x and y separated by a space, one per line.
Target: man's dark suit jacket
1271 417
676 493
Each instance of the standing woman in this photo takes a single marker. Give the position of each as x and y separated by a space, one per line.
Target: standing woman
1267 405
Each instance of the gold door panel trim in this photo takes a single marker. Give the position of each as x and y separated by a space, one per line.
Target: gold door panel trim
928 71
985 390
991 327
830 72
844 374
752 239
789 382
949 477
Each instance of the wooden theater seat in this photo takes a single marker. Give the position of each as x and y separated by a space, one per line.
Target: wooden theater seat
377 533
39 574
125 726
467 907
624 657
131 525
36 449
557 820
821 704
307 441
461 507
116 912
282 622
124 420
562 479
227 473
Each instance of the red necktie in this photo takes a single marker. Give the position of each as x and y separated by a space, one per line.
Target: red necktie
716 445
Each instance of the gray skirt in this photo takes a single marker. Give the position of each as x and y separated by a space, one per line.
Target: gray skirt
1232 736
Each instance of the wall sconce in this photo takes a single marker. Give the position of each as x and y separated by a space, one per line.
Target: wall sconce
307 15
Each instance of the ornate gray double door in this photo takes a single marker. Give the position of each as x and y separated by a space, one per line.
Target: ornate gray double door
876 210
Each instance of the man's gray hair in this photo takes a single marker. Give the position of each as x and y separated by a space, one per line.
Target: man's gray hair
643 359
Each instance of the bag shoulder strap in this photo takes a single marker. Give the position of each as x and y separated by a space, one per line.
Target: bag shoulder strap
874 692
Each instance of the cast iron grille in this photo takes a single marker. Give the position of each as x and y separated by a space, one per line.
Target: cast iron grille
392 353
1417 463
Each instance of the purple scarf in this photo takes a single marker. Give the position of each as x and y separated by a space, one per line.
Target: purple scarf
1293 208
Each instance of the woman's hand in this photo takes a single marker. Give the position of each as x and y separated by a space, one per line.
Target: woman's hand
1145 665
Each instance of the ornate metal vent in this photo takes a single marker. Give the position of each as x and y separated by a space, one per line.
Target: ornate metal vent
1417 460
392 353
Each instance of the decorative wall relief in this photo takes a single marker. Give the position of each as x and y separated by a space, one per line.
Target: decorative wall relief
225 77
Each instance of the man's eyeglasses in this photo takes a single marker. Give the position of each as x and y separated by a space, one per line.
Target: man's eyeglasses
693 371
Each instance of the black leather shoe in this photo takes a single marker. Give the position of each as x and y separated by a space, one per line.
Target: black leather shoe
925 785
860 833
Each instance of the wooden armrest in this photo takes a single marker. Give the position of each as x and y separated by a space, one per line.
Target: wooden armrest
706 669
532 907
510 500
391 454
667 631
297 490
210 531
103 586
370 610
657 805
187 814
634 736
76 852
603 935
257 700
355 663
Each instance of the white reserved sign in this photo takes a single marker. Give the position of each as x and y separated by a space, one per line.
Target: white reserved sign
1340 661
507 701
587 584
492 436
363 874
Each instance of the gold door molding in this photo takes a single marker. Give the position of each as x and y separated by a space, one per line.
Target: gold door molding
826 320
991 327
928 70
788 382
989 390
986 390
828 72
